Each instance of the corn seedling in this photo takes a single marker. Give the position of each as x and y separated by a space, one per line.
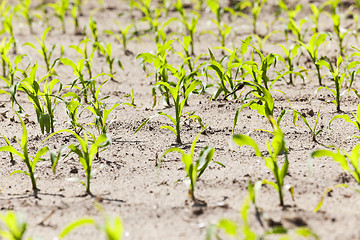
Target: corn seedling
7 14
160 65
292 26
255 8
60 8
12 226
276 148
78 72
106 51
11 78
337 76
94 31
316 11
194 168
123 37
45 52
227 82
263 103
100 112
223 28
5 47
184 86
85 152
112 227
313 130
288 61
29 161
72 110
44 113
340 32
75 12
312 48
84 54
24 9
189 25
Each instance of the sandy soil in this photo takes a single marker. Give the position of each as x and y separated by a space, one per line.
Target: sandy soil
151 201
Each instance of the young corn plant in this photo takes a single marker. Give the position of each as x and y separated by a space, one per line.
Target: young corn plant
50 98
255 8
290 53
85 152
349 162
313 130
106 51
60 8
227 74
75 13
78 72
7 14
235 230
24 9
223 28
338 79
161 68
45 52
194 167
98 108
316 11
29 161
263 102
5 47
11 79
312 48
179 94
85 55
276 148
73 106
189 25
125 34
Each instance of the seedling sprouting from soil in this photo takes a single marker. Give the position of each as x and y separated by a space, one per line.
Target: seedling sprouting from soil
276 148
24 9
194 168
313 130
44 111
106 51
161 68
85 152
84 54
100 112
78 72
60 8
290 54
312 48
45 52
29 161
337 76
179 94
7 14
124 36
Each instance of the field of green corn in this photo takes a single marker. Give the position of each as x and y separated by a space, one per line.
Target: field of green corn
170 119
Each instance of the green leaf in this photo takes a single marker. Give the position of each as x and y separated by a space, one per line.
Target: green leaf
241 140
72 226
